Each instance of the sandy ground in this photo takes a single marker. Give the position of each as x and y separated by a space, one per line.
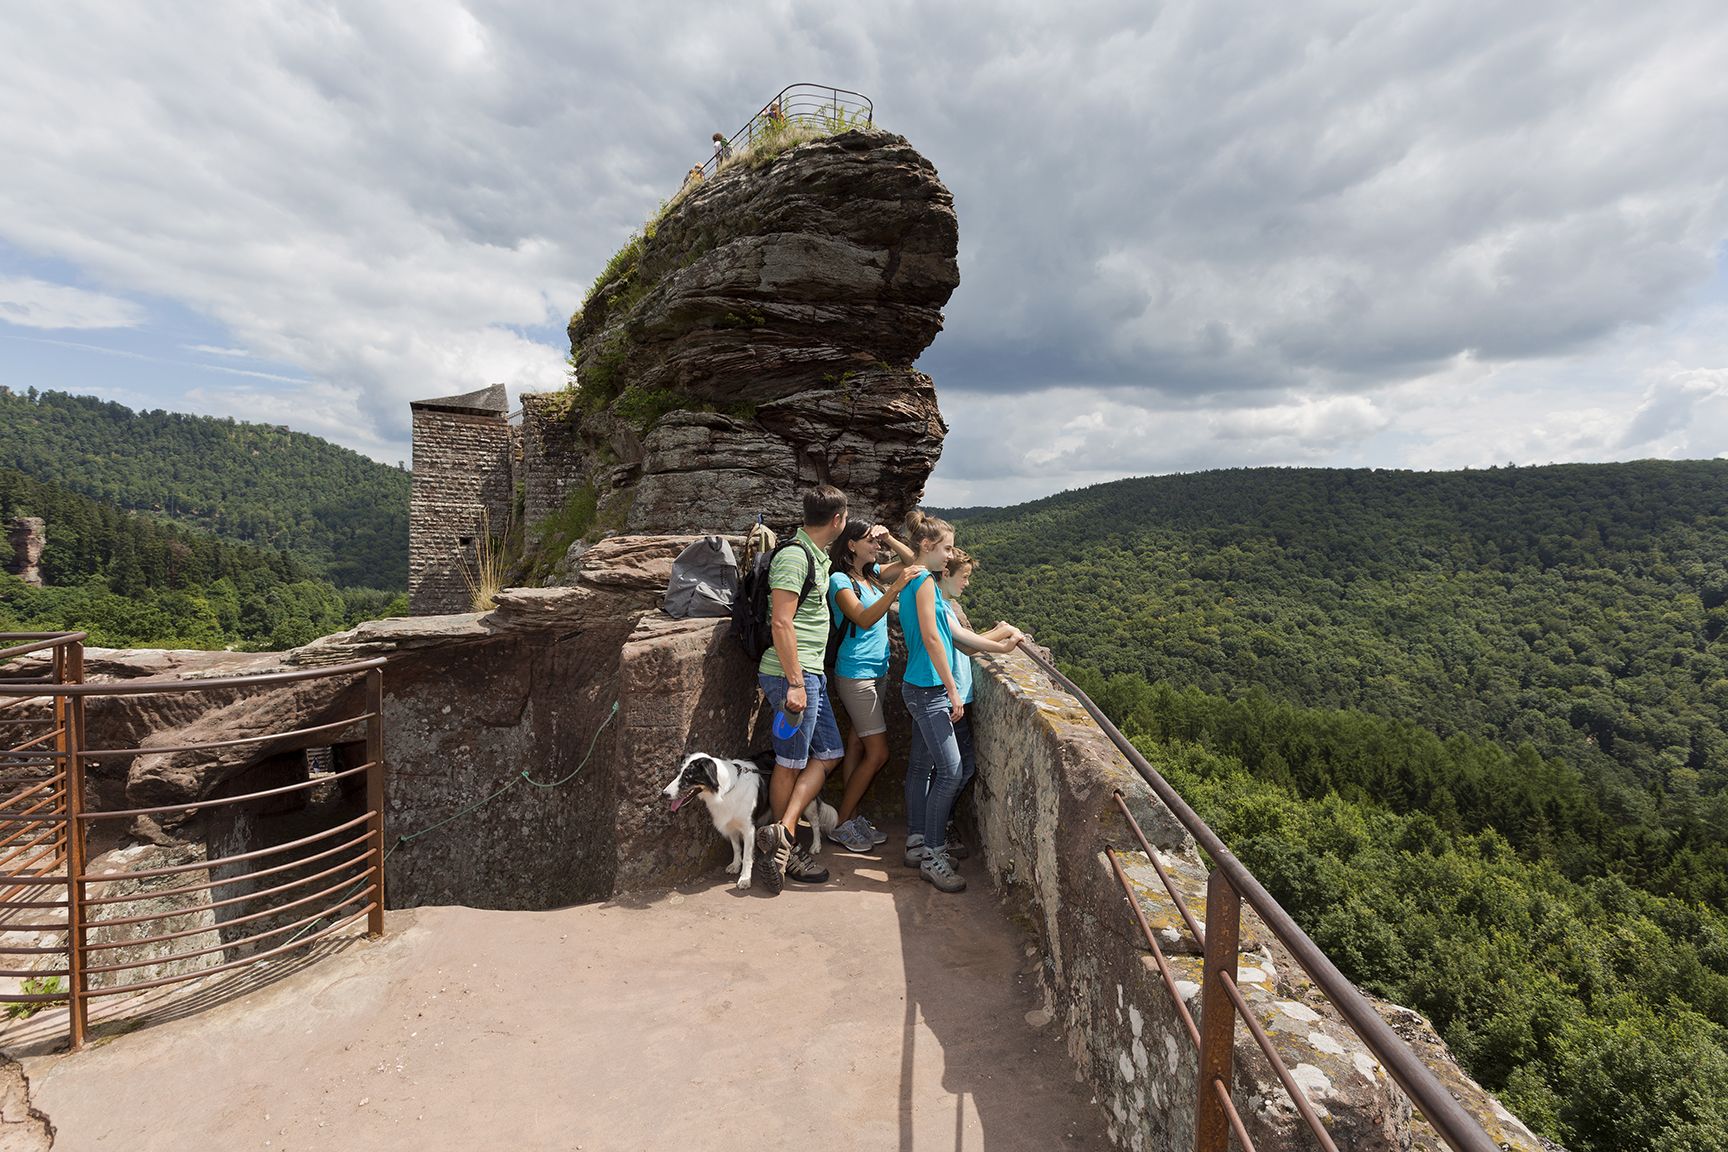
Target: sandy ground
868 1013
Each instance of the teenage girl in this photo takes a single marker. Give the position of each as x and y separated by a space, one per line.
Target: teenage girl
1002 638
933 700
860 592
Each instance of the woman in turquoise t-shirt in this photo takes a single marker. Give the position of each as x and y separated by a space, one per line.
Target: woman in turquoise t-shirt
859 594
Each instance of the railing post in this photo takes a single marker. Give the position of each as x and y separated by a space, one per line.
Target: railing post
375 793
77 980
1217 1013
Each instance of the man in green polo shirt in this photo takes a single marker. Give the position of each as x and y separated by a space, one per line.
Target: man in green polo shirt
791 674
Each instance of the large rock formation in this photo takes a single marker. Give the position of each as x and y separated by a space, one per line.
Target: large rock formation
760 337
28 536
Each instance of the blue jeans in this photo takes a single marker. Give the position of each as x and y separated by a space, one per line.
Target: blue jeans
818 734
934 775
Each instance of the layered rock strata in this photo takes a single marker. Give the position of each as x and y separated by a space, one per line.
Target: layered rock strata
760 338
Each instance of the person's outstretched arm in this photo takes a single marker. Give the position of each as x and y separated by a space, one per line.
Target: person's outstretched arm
853 609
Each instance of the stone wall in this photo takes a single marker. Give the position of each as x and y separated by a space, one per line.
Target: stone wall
554 463
1046 811
462 471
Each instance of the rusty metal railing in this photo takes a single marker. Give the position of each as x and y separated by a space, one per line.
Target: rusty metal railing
1222 1002
819 105
128 930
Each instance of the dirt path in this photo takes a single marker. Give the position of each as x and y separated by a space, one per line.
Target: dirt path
870 1013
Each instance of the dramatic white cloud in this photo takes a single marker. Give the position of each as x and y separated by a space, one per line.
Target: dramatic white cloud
1193 234
31 303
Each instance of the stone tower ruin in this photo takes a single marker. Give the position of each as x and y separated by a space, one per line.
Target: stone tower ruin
464 487
27 535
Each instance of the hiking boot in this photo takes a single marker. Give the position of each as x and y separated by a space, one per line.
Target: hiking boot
803 868
877 836
853 836
915 853
937 869
776 848
955 849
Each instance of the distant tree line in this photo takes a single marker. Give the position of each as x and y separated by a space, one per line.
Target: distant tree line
132 580
346 516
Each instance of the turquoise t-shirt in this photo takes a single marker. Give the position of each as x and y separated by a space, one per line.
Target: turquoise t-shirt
863 654
920 673
963 665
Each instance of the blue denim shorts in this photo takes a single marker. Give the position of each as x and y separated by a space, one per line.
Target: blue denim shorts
818 736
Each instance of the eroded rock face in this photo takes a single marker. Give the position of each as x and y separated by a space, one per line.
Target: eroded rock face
762 341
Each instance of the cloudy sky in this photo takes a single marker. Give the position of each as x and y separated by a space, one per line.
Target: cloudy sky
1432 234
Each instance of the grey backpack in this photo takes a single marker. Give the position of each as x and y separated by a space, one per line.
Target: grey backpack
704 580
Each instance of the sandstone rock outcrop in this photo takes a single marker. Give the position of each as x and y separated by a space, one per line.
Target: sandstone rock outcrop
28 536
760 338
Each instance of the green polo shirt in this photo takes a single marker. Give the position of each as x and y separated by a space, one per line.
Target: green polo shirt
810 623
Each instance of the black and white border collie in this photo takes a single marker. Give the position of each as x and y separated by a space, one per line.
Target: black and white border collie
736 792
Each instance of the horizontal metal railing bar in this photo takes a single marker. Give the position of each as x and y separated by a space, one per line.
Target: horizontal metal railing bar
257 853
44 850
27 817
227 945
38 642
46 801
1454 1125
27 973
28 906
5 927
1169 884
218 927
1230 1113
193 889
221 801
33 950
1164 972
1293 1089
31 744
214 683
29 831
211 745
32 997
57 778
216 969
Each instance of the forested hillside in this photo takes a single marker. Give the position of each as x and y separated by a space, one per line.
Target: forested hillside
1466 726
345 515
133 580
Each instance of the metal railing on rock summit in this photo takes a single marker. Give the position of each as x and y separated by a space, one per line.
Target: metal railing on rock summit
819 105
72 935
1216 1118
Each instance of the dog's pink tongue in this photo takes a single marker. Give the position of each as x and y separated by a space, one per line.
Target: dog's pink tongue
678 801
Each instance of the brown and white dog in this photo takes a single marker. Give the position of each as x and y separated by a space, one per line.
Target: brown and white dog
736 792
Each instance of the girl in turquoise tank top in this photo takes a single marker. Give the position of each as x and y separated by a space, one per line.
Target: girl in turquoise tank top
1003 637
933 701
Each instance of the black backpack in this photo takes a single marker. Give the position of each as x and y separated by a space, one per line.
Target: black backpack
840 629
752 616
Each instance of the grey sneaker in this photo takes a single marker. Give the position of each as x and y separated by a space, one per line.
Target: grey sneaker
937 869
915 853
852 835
955 849
803 868
776 849
877 836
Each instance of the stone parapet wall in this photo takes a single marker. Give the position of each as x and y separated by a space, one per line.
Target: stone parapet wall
463 470
1046 811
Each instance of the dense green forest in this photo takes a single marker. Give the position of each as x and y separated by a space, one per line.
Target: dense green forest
1596 1009
1467 726
345 515
133 580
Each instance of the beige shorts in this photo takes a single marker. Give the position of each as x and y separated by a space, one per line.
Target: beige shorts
862 700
